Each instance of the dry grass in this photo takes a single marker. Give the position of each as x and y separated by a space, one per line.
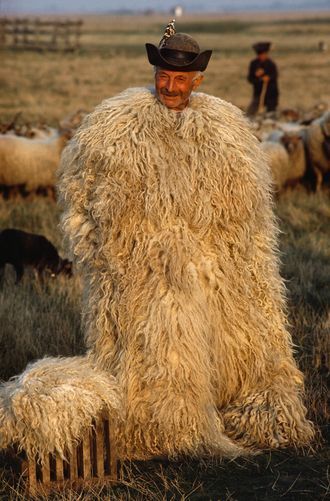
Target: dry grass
36 320
47 86
306 268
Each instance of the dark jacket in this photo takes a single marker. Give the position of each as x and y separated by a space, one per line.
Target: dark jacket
270 69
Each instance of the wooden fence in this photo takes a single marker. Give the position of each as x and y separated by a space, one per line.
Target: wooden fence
38 34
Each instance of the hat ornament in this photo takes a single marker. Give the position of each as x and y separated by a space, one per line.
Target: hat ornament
169 32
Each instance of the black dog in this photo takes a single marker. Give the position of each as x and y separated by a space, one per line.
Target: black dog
22 249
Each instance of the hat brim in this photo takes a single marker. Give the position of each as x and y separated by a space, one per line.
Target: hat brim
199 63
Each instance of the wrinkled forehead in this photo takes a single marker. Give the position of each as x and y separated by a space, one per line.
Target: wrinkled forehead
173 74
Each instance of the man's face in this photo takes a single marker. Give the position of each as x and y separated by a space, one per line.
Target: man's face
173 88
262 56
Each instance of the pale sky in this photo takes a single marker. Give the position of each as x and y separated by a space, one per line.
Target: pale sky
189 5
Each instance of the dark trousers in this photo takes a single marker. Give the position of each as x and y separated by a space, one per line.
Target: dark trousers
270 105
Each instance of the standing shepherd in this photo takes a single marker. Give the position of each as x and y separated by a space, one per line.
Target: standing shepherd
167 208
263 76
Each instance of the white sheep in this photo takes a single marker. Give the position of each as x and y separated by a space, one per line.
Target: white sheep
43 133
286 156
263 129
318 144
278 160
73 120
31 163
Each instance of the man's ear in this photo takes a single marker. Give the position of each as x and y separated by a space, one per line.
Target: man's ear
198 80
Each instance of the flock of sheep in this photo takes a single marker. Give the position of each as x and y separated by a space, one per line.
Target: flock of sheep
298 150
29 156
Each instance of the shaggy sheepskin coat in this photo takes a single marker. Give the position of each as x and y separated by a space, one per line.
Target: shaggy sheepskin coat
50 406
169 217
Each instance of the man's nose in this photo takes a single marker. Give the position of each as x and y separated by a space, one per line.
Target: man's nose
170 85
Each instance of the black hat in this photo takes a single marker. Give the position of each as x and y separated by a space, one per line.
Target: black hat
262 47
177 52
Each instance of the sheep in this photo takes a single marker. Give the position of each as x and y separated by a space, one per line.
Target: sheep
9 126
43 133
287 158
278 159
268 126
290 114
25 129
21 249
318 144
73 120
261 128
31 163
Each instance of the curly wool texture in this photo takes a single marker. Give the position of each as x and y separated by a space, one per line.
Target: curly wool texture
48 407
169 217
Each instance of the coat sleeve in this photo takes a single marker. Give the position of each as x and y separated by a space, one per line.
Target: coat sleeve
251 74
271 70
75 181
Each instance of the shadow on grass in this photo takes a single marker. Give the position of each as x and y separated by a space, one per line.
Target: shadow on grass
269 476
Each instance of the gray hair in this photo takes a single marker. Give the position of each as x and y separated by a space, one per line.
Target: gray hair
198 74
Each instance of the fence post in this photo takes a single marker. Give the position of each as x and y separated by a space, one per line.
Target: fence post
53 43
15 31
3 22
25 32
78 33
36 31
66 35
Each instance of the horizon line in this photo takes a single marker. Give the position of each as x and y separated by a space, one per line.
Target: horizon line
160 11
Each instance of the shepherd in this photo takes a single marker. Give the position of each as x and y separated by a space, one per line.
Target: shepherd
167 209
263 75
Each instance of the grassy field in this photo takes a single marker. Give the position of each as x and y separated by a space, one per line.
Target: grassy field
37 320
48 86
